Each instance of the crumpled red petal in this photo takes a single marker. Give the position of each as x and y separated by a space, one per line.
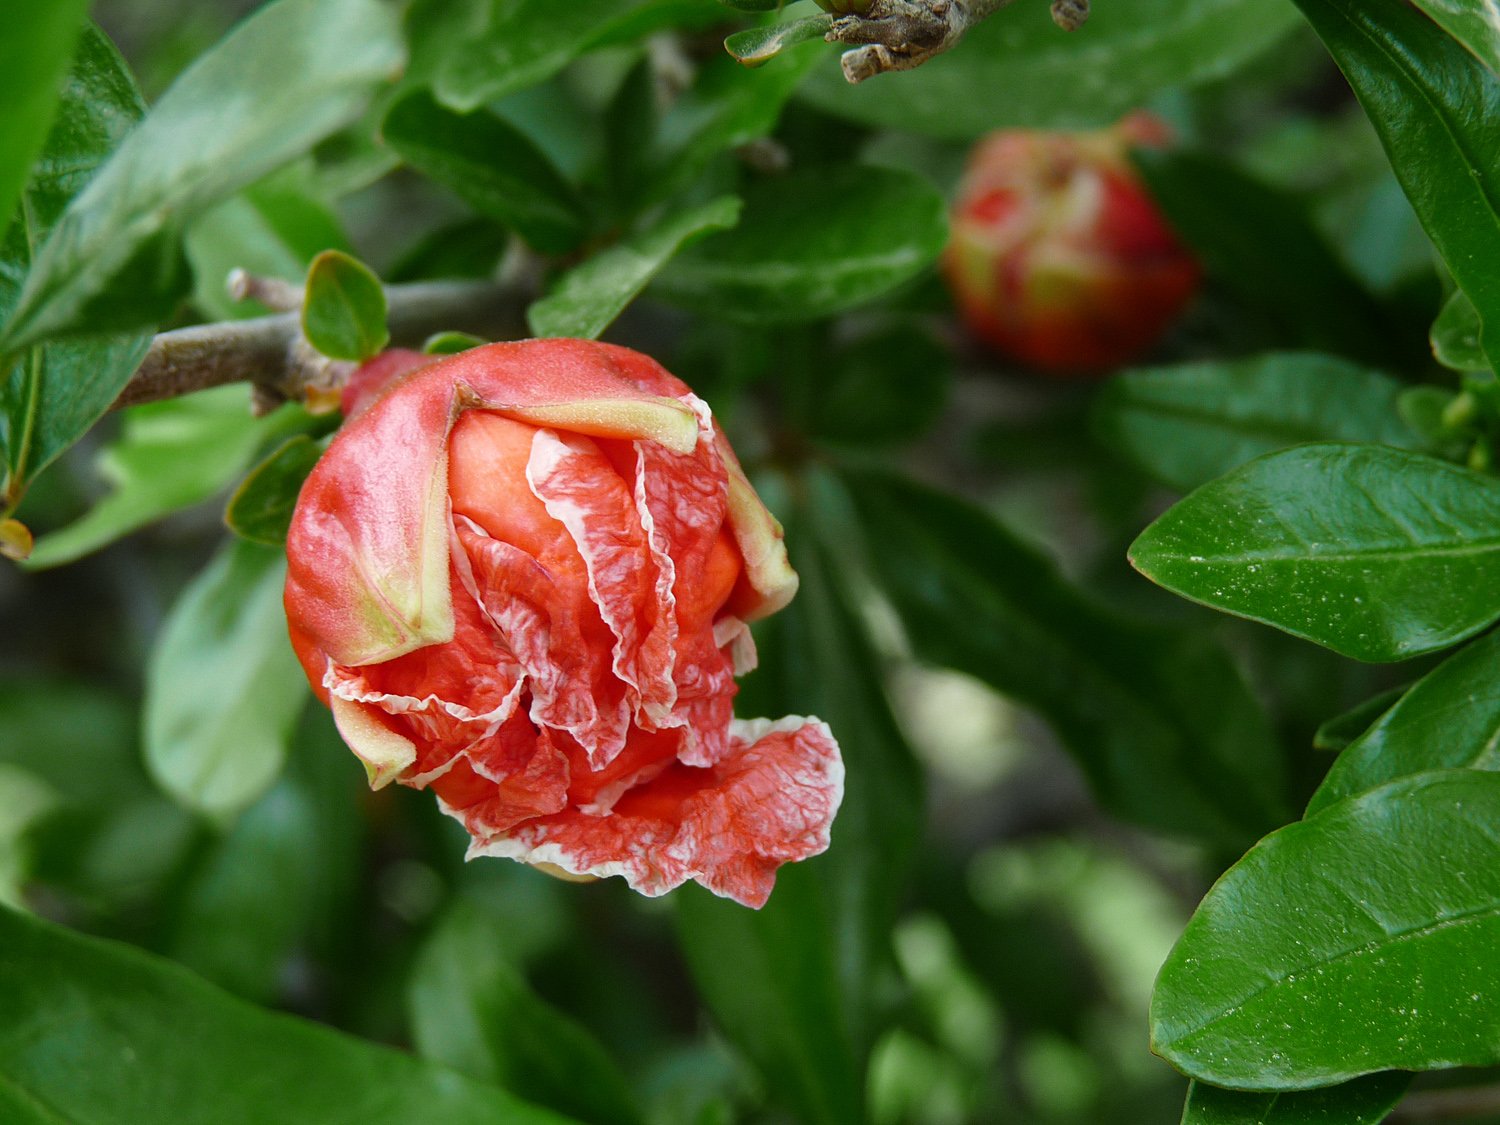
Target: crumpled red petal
769 801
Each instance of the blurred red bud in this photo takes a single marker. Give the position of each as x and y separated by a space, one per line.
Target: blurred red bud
1059 258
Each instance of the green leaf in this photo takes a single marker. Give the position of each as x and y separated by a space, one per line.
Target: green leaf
793 985
1356 941
292 73
1159 720
1474 23
472 1009
1449 720
1190 423
757 45
169 455
586 299
490 48
52 394
1130 51
261 508
1364 1101
811 244
1339 731
1437 110
1261 246
34 55
493 166
253 901
1373 552
1455 335
198 1056
343 311
273 229
223 690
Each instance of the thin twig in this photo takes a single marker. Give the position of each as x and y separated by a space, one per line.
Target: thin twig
904 34
1448 1105
269 351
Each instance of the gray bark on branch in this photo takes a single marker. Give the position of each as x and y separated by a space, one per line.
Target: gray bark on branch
904 34
271 353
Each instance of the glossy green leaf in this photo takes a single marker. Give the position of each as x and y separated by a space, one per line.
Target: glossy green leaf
1160 721
493 166
450 343
486 49
793 984
811 244
198 1056
53 393
1437 110
1456 335
1130 51
473 1010
291 74
170 455
1190 423
261 508
34 54
1474 23
343 308
1356 941
1260 245
1376 553
1339 731
1363 1101
586 299
1449 720
223 690
757 45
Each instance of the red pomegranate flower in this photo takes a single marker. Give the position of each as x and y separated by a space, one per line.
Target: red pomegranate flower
521 577
1059 257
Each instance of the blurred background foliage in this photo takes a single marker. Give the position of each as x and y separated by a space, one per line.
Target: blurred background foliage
1049 758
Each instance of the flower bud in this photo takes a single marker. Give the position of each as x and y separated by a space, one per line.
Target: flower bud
1059 259
521 577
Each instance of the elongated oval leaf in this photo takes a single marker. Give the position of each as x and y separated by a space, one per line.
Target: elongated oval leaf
1363 1101
811 244
586 299
1016 68
54 392
1474 23
492 166
1449 720
223 690
288 76
196 1056
1437 110
1373 552
34 54
1359 940
1196 421
1160 722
